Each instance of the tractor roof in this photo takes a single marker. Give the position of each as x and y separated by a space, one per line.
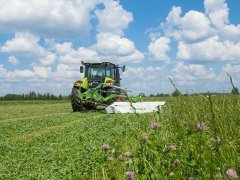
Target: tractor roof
98 63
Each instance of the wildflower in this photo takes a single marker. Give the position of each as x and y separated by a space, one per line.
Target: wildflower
121 158
176 162
171 174
154 125
172 147
218 141
106 146
201 126
145 137
128 154
130 175
129 161
111 158
191 178
231 174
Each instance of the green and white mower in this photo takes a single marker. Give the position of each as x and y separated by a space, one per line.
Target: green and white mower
101 87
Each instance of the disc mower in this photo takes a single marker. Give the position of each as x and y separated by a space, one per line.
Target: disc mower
100 86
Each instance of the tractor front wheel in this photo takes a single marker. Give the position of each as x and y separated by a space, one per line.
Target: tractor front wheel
76 102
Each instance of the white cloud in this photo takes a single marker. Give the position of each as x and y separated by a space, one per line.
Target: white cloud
217 10
188 74
67 54
48 59
223 79
148 79
232 69
109 47
42 72
55 18
211 49
19 74
113 18
159 49
201 36
218 13
24 43
110 44
64 71
193 26
27 44
3 71
13 60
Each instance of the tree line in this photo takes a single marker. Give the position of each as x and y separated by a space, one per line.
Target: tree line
33 96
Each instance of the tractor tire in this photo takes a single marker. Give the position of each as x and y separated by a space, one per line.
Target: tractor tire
75 101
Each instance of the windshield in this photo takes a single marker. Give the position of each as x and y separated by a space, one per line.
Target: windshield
98 72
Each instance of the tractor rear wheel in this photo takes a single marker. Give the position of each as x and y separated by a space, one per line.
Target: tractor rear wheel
75 101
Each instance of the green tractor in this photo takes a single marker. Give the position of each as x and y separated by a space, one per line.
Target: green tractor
100 86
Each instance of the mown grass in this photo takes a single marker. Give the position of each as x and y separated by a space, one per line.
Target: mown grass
46 140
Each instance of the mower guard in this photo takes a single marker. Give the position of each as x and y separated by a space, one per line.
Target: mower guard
136 107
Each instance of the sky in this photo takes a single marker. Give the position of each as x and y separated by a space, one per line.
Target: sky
42 43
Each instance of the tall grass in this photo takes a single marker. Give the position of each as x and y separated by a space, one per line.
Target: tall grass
196 137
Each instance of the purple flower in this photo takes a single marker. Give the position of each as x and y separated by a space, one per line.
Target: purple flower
231 174
130 175
201 126
111 158
106 146
172 147
218 141
145 137
154 125
121 157
191 178
176 162
128 154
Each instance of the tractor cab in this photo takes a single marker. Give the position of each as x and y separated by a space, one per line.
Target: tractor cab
100 72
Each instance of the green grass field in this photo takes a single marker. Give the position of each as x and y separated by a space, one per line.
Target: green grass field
46 140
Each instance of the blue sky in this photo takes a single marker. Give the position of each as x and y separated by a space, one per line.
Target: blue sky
43 41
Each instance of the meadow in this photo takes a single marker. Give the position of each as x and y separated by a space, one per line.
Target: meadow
192 137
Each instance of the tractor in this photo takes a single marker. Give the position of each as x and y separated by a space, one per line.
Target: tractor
100 86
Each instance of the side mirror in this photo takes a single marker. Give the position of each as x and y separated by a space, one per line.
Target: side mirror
81 69
123 68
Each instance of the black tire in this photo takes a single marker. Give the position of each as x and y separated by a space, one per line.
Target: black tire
75 101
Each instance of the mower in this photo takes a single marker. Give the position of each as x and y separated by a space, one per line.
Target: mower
100 86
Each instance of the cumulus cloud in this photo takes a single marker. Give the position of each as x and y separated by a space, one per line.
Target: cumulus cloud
109 47
211 49
42 72
113 18
108 43
67 54
23 43
117 49
13 60
55 18
140 78
193 26
3 71
159 49
188 74
218 13
201 36
27 44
